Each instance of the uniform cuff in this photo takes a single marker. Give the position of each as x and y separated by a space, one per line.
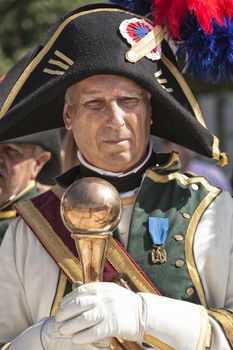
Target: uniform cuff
177 324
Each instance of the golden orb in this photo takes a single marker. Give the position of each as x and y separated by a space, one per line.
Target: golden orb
91 206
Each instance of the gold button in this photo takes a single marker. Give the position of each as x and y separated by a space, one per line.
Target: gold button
186 215
190 291
179 263
179 238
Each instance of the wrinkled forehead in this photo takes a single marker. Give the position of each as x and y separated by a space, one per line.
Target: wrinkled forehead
106 83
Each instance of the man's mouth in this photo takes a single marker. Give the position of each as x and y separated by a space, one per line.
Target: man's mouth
116 141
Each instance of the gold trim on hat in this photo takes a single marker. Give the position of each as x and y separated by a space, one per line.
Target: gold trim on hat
64 57
158 73
216 154
185 88
53 72
59 64
162 81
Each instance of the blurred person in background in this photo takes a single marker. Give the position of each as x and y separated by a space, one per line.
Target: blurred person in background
27 167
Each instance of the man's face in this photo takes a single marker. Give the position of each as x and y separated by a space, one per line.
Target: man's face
17 166
110 117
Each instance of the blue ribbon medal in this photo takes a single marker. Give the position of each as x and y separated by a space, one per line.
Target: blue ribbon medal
158 229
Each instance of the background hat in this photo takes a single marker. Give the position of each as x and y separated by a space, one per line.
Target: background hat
90 41
50 141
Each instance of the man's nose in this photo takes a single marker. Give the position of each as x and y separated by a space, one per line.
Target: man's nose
116 116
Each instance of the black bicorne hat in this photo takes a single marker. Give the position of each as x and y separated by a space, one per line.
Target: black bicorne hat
94 40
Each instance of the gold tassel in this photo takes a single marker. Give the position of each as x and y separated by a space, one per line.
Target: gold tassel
223 160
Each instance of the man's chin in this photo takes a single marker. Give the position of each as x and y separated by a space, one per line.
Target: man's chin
120 163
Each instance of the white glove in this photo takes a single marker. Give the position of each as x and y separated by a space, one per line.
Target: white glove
45 336
52 339
97 311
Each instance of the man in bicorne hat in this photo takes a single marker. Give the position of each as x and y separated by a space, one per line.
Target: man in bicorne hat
27 167
173 246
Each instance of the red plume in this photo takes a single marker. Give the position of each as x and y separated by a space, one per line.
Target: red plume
172 13
206 11
227 5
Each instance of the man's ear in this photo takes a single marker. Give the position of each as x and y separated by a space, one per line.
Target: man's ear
40 160
66 116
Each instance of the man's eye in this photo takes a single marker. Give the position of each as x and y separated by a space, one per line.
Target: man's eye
12 151
129 101
94 104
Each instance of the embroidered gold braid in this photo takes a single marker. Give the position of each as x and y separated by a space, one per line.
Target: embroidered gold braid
61 286
50 240
225 318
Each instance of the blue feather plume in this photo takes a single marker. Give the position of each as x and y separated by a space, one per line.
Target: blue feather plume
142 7
208 56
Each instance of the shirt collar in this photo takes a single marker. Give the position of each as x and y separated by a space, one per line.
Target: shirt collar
109 173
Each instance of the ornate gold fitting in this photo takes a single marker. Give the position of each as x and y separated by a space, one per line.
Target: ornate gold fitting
158 255
91 210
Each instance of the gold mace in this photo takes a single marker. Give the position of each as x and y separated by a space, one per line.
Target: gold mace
91 209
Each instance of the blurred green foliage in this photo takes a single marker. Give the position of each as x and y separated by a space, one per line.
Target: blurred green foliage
23 24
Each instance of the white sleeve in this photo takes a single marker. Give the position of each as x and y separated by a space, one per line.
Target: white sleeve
25 270
213 251
179 325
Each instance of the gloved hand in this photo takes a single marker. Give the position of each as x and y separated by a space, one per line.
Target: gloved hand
51 339
45 336
98 311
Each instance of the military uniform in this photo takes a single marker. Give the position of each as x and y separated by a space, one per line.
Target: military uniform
196 236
